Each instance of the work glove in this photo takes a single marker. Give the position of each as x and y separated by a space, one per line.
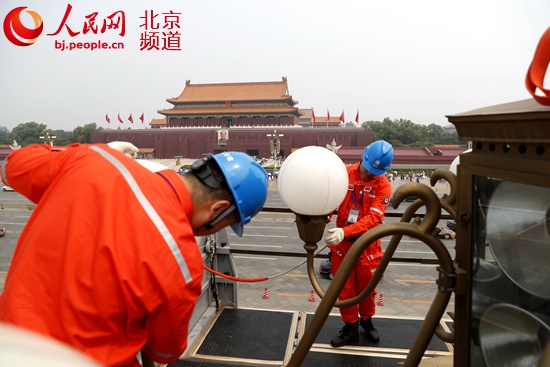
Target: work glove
128 149
336 237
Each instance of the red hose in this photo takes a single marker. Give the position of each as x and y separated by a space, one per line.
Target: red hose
244 280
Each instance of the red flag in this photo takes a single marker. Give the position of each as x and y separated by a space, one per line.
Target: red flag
107 118
328 116
131 119
357 117
119 119
313 115
342 117
141 118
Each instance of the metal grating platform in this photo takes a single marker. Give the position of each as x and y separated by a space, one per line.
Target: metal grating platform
317 359
251 337
394 333
239 334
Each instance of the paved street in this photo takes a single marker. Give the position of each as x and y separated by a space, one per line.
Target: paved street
407 288
15 211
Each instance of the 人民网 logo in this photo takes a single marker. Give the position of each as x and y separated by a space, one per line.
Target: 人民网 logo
17 33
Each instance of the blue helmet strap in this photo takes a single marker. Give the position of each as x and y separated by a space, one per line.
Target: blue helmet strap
203 172
218 219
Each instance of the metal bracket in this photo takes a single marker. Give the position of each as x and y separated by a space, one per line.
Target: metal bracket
445 282
210 245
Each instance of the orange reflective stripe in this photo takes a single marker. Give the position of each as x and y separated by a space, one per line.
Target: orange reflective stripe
163 355
150 210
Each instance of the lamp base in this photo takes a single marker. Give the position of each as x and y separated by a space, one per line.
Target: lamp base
311 227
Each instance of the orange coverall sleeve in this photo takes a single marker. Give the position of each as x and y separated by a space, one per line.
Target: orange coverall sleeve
168 327
37 166
373 210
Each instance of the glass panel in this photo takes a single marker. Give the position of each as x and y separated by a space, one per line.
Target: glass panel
510 273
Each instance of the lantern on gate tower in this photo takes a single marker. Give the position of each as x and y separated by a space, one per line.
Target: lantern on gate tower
503 236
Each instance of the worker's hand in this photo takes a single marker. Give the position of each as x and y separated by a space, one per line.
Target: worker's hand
336 237
128 149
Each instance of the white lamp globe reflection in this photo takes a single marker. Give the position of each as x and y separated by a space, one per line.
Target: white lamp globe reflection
20 347
313 181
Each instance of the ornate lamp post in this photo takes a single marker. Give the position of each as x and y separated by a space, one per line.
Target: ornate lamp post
503 235
48 139
275 144
312 193
313 181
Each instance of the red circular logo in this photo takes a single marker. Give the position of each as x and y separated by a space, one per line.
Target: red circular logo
17 33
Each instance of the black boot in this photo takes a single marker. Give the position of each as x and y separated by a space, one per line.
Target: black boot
348 335
371 332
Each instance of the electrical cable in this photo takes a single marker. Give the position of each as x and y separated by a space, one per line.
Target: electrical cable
256 280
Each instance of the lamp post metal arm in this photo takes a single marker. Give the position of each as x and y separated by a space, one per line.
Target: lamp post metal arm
419 229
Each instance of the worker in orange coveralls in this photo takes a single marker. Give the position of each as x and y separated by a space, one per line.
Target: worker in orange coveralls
363 208
108 262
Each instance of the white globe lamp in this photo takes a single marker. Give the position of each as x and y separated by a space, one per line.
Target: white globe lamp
312 181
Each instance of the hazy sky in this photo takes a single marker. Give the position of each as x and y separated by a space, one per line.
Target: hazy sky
413 59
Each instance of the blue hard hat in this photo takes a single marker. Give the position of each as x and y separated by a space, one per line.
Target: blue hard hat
377 157
248 183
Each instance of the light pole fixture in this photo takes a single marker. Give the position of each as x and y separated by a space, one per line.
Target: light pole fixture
503 235
48 139
313 181
275 143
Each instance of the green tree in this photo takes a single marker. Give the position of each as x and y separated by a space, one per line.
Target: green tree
434 133
422 144
386 130
452 138
407 131
28 133
82 134
5 135
63 137
403 132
